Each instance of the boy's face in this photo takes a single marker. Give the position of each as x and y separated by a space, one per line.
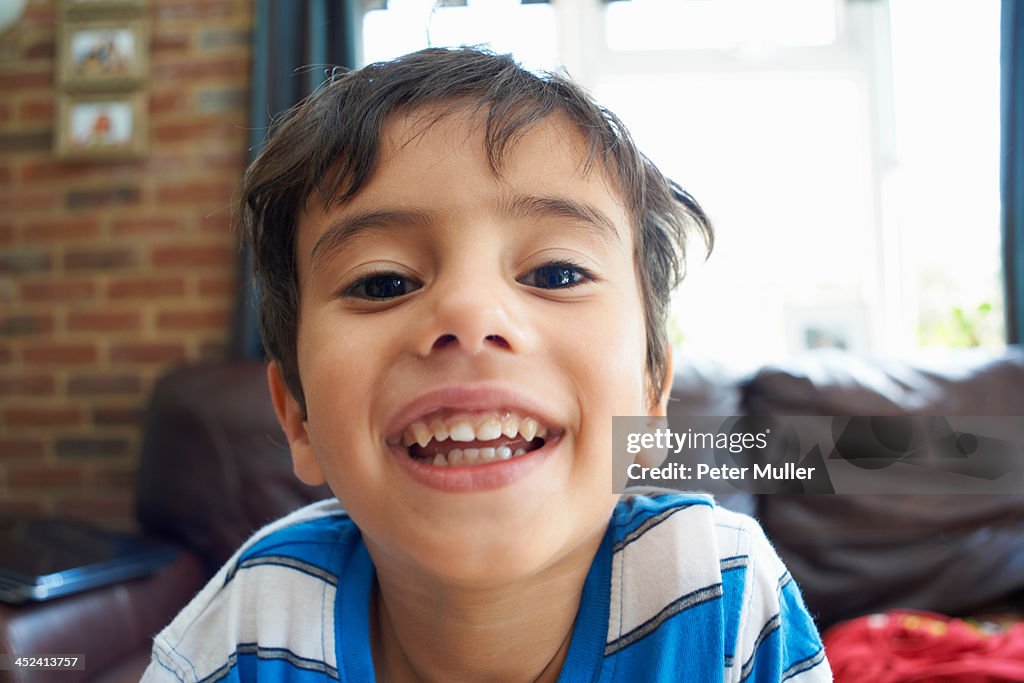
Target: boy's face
444 303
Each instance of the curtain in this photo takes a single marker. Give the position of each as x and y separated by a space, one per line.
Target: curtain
295 45
1012 167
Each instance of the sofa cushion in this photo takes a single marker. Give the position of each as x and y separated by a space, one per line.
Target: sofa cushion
215 465
854 554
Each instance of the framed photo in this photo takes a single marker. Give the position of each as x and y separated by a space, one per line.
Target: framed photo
97 127
86 8
103 54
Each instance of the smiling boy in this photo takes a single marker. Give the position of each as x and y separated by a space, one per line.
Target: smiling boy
465 271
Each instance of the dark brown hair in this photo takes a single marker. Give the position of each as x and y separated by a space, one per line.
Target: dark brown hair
327 148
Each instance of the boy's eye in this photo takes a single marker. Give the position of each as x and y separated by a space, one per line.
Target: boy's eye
556 276
381 286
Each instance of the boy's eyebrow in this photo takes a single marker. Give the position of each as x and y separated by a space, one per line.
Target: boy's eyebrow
542 206
344 229
517 206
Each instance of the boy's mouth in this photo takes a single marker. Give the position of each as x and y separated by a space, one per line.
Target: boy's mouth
460 439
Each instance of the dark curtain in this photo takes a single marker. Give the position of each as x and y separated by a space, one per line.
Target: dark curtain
296 43
1012 57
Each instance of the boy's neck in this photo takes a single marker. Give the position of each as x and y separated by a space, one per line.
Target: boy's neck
423 630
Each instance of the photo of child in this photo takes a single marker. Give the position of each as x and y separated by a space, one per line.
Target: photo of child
103 125
107 52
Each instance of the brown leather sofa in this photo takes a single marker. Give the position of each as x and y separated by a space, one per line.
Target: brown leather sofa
214 468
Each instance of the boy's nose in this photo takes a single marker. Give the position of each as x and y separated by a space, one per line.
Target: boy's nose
473 320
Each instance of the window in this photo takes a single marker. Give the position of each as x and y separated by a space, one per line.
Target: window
847 151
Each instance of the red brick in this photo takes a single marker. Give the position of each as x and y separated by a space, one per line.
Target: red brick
101 508
58 290
61 354
99 384
217 222
43 417
213 351
6 233
167 41
5 174
6 355
92 447
23 261
99 258
40 15
18 449
189 193
6 112
44 170
170 10
168 165
146 288
217 287
209 255
118 417
154 352
192 320
55 476
178 132
175 101
231 161
27 385
23 200
41 49
20 324
36 111
104 321
22 508
234 69
148 226
23 79
63 229
115 478
122 195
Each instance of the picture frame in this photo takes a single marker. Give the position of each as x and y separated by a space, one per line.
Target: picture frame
103 54
102 126
111 8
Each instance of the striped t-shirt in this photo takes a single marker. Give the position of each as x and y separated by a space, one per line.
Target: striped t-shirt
679 590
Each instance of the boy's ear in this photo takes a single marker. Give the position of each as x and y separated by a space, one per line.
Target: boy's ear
660 408
289 414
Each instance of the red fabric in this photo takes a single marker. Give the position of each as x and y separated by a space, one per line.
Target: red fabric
904 645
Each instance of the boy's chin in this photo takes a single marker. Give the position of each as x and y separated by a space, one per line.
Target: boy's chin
482 556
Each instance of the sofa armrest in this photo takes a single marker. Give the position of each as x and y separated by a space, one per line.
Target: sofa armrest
106 625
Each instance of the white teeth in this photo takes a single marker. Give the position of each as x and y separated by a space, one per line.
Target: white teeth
465 457
465 427
510 425
489 429
462 431
440 429
528 428
421 433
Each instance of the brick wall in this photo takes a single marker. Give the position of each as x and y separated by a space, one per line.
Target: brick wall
112 272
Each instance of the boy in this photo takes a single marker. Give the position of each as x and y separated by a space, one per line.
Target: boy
465 271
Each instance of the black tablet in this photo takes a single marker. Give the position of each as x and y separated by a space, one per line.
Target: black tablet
42 559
